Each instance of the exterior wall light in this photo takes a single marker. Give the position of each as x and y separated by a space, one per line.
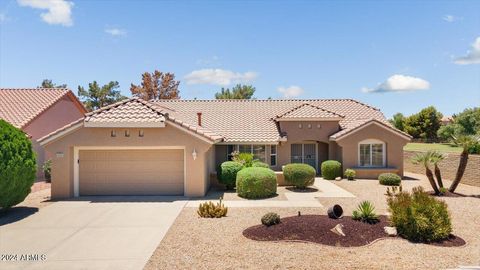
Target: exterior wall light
194 154
140 133
127 133
113 133
299 125
309 125
319 126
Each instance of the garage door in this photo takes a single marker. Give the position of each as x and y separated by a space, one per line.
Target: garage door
131 172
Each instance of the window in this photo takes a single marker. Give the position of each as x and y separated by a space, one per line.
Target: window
258 151
273 155
371 153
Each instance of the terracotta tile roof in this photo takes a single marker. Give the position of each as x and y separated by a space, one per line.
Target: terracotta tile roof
136 110
19 106
307 110
132 110
253 120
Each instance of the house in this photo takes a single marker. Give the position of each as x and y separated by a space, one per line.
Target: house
171 147
446 120
39 111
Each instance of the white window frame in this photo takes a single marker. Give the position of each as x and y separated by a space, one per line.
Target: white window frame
276 152
236 147
371 142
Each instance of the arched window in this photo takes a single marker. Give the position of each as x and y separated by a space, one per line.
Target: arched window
371 153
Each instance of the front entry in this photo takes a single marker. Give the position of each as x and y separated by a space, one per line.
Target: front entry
304 153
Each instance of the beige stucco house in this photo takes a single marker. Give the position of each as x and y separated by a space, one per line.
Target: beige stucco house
38 112
171 147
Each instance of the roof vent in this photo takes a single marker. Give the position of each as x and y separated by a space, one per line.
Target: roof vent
199 119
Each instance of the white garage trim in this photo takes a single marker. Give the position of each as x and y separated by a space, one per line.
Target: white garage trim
76 153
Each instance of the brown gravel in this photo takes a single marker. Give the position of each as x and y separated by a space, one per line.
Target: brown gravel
195 243
316 229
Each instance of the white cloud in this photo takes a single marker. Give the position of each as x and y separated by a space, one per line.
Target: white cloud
290 92
116 32
58 11
450 18
472 57
219 77
399 83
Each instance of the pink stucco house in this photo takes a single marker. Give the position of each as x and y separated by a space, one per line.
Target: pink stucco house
39 111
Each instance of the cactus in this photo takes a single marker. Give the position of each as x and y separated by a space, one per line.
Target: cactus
211 210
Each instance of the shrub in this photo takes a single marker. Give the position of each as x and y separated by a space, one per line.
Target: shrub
270 219
17 165
227 173
389 179
419 217
331 169
210 210
256 182
246 159
474 148
350 174
300 175
365 212
260 164
47 170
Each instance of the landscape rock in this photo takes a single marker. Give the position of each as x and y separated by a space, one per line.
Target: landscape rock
391 231
338 230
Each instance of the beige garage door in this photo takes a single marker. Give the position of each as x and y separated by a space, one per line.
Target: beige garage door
131 172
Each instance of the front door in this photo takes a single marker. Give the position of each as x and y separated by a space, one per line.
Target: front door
304 153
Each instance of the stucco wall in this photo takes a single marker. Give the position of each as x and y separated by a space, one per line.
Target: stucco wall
60 114
448 167
297 134
196 171
393 143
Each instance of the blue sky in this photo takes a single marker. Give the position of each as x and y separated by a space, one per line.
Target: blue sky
398 56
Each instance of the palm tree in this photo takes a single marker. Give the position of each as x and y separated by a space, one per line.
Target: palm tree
466 142
425 158
435 158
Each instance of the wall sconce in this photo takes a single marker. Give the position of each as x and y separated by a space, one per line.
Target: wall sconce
113 133
140 133
319 126
127 133
300 126
194 154
309 125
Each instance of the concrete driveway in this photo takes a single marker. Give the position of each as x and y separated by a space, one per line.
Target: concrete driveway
91 233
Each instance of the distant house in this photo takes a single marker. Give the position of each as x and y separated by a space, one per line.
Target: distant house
446 120
39 111
171 147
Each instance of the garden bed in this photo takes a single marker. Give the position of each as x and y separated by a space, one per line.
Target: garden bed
316 229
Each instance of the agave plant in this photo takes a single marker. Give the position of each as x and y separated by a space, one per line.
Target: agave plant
365 212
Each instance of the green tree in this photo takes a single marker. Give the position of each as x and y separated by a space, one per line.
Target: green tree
96 97
156 85
425 124
239 91
469 120
17 165
49 84
398 121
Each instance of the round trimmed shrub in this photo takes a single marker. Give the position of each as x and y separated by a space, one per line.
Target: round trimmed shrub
389 179
270 219
17 165
331 169
260 164
299 175
350 174
256 183
227 173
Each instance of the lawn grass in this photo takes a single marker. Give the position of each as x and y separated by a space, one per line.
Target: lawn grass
441 147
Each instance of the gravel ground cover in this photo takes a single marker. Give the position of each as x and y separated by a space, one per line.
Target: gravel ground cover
196 243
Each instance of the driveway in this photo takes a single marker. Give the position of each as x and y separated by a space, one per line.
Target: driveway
91 233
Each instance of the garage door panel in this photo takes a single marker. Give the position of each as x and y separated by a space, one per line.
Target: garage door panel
131 172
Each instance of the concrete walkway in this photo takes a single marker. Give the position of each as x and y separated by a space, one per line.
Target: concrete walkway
104 233
293 199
